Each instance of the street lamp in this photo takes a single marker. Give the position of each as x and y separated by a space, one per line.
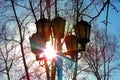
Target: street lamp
82 34
71 42
39 39
82 31
44 28
71 45
58 25
37 44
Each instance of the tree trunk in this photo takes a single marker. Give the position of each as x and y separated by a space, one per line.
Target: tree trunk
21 41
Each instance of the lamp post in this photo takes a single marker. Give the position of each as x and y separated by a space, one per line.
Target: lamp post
39 39
82 35
58 26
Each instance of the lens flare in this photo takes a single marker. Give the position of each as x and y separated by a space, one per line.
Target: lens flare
49 52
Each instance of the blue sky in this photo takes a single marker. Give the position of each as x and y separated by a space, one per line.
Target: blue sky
114 29
114 20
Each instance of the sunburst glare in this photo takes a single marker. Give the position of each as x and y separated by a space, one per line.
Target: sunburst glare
49 52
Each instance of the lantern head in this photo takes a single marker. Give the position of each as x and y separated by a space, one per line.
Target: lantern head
44 28
58 25
36 43
71 42
82 31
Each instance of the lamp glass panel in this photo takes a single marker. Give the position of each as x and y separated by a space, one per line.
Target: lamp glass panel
88 32
58 25
71 42
47 30
82 31
39 28
36 43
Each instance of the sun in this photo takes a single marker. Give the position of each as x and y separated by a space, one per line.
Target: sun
49 52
